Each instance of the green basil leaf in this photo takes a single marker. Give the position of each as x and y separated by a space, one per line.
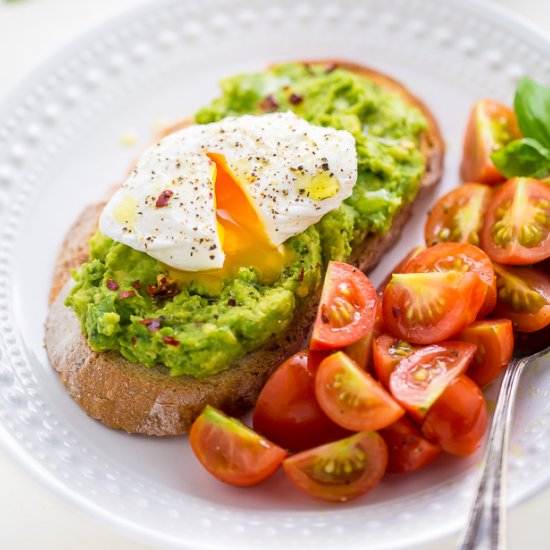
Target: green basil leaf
532 107
523 157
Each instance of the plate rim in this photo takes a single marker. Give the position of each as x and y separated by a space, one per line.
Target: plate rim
16 453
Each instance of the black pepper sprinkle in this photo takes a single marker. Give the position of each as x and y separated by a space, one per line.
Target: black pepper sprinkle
232 302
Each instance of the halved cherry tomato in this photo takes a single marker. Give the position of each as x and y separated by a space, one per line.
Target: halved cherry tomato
399 268
458 216
287 411
408 450
458 419
351 397
494 339
523 297
231 451
490 127
387 351
517 224
341 470
423 308
347 310
458 257
418 380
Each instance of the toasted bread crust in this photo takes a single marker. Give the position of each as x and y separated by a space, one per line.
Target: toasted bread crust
149 401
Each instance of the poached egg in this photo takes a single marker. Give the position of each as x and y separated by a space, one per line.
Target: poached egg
214 197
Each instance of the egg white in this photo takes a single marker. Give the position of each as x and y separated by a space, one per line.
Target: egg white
292 173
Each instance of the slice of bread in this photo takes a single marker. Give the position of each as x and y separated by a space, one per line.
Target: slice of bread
149 401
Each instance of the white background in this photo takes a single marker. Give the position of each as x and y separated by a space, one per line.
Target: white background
29 516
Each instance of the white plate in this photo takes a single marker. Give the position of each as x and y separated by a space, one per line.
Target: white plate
59 150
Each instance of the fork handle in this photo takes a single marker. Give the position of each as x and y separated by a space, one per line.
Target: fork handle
486 521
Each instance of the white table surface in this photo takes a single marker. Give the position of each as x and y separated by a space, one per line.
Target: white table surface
30 517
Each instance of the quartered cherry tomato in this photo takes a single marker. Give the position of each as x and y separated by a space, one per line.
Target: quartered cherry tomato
523 297
458 419
494 339
423 308
458 216
231 451
347 310
490 127
460 257
351 397
408 449
517 224
341 470
387 351
287 412
418 380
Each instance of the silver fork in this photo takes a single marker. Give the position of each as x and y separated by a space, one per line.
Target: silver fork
485 528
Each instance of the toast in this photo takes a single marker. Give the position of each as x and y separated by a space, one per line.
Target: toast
147 400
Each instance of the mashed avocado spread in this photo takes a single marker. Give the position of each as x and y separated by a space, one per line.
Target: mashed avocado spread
130 302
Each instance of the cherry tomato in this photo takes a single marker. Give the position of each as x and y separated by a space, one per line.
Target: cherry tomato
231 451
287 411
458 419
523 297
458 216
341 470
424 308
418 380
458 257
347 310
408 450
387 351
351 397
494 339
399 268
517 224
490 127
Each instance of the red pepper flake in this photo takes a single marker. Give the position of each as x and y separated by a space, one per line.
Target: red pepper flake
123 294
232 302
330 67
268 104
165 288
163 198
112 284
296 99
152 324
136 284
301 276
171 341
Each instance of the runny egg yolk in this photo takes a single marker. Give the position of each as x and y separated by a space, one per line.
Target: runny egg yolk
243 237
